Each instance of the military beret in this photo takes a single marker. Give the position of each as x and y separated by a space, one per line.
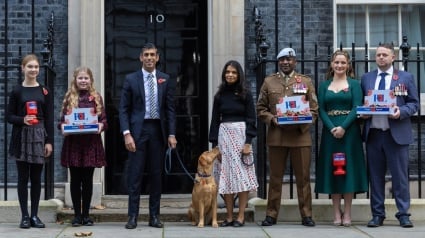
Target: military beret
286 52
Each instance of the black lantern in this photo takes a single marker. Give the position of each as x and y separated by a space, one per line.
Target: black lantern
405 47
45 52
263 49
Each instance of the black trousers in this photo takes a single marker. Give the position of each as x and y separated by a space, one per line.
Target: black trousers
81 189
32 172
150 150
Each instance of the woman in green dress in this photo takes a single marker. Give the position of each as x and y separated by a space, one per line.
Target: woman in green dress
338 98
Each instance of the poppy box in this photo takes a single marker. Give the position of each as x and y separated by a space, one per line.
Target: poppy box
378 102
80 121
293 110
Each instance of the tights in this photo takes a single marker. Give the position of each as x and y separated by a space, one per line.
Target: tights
33 173
81 189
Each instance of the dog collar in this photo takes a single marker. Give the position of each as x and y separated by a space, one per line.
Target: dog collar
204 175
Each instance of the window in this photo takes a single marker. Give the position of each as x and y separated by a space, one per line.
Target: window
373 22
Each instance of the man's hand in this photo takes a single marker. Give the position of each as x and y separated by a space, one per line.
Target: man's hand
172 142
129 143
396 114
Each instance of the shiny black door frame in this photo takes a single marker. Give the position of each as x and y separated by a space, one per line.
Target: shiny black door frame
179 29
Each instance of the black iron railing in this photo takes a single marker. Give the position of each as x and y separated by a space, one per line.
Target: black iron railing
10 69
319 64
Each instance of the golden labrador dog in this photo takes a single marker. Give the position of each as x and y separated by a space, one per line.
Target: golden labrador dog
203 209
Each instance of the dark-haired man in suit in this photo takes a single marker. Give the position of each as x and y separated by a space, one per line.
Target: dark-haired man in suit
388 137
147 120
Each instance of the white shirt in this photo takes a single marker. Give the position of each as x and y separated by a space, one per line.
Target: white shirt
381 121
148 92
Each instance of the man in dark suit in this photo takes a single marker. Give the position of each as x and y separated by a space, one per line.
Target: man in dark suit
147 120
388 137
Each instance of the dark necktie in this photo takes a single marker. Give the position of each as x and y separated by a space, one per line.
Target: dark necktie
152 99
382 82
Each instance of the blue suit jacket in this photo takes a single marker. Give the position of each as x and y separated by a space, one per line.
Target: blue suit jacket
401 129
132 104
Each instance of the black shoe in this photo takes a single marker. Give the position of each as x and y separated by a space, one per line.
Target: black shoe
376 221
76 221
25 222
155 222
87 221
226 223
404 221
36 222
308 221
132 222
237 223
269 221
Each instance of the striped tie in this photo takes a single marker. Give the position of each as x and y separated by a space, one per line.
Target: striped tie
152 99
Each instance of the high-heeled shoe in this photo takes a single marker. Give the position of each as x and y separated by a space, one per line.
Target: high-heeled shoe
346 223
339 222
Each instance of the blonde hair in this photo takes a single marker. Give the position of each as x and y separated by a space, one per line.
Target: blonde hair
70 100
350 72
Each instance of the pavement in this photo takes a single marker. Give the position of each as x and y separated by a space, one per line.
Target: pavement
185 229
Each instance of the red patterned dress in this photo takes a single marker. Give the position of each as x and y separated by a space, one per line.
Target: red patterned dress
84 150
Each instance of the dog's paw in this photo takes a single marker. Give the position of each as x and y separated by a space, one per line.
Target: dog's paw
215 225
201 225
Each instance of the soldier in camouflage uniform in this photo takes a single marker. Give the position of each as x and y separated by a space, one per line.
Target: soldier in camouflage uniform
293 141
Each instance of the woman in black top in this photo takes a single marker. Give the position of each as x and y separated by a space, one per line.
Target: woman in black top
232 129
30 110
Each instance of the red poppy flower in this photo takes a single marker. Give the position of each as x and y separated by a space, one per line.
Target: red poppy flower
45 92
395 77
280 100
298 79
91 98
161 80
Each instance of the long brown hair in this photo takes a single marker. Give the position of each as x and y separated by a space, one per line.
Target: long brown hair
350 72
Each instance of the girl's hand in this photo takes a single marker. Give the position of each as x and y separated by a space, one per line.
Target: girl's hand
100 127
48 150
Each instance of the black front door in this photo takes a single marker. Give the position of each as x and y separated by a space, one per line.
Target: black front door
179 29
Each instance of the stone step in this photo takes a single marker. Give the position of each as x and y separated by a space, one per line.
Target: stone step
167 215
10 211
174 208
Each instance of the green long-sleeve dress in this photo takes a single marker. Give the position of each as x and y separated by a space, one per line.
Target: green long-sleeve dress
355 179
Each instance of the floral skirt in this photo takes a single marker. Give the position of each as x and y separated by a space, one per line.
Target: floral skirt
232 174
